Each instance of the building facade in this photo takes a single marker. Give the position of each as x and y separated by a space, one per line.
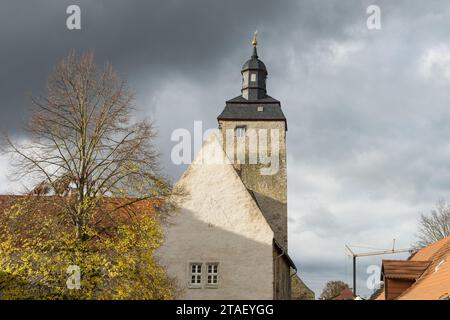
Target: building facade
228 237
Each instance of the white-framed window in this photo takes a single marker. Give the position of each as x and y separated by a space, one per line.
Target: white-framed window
203 275
212 274
260 108
195 274
253 77
239 131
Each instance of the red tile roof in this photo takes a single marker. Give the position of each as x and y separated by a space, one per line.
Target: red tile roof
434 282
400 269
105 216
346 294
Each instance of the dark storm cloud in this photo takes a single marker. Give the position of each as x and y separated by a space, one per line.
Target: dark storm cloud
141 38
367 110
152 43
155 37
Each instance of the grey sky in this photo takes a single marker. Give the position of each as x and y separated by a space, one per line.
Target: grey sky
367 110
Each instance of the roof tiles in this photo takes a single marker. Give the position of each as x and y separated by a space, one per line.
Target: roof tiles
434 282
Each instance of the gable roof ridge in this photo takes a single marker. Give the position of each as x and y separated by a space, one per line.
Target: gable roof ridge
212 138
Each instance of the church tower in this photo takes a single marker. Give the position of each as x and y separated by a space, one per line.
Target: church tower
254 128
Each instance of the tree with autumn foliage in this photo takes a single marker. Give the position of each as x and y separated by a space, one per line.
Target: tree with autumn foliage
332 289
98 194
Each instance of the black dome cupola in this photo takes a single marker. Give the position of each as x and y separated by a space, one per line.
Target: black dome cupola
254 75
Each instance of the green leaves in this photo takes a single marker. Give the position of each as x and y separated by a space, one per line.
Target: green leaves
118 265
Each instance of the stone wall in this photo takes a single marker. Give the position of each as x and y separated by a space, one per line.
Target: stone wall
299 290
269 190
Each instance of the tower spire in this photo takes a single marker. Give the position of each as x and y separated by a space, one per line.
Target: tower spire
254 44
254 74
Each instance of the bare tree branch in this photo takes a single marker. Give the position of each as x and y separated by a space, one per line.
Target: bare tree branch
83 145
435 225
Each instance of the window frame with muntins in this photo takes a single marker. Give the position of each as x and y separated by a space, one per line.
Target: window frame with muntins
212 275
195 277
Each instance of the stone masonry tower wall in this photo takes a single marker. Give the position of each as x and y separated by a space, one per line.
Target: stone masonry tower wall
270 190
253 126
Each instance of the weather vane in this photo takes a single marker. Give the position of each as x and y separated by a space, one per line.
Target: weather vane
254 41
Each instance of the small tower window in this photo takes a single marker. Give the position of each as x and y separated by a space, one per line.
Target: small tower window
260 109
239 131
253 77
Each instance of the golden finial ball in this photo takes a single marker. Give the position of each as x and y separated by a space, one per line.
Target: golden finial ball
254 41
